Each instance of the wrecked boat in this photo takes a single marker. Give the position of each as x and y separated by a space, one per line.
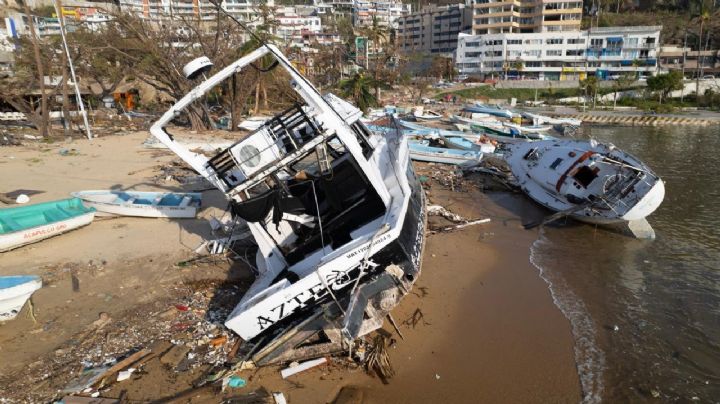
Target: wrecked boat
335 212
14 292
587 180
29 224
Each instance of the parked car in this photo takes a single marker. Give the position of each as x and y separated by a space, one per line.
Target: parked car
708 77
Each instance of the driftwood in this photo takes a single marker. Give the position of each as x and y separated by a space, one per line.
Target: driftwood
123 364
438 210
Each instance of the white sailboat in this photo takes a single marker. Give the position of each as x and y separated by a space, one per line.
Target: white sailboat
590 181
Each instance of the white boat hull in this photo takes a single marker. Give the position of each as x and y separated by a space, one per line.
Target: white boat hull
171 212
32 235
13 299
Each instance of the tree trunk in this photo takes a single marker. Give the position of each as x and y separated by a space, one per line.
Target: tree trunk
697 70
45 118
65 100
257 98
265 97
615 101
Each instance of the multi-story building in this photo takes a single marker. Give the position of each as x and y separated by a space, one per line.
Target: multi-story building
605 52
433 29
677 58
295 21
247 10
525 16
18 24
385 12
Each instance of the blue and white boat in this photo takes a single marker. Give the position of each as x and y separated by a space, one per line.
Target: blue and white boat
142 204
28 224
14 292
421 150
494 110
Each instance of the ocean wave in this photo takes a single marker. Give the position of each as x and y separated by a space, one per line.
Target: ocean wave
589 358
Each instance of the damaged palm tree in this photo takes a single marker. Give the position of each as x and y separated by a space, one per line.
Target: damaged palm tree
335 212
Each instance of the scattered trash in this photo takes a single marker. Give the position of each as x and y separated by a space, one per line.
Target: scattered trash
22 198
279 398
616 328
218 341
437 376
125 374
301 367
378 359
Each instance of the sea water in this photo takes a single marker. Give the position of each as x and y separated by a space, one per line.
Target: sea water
646 314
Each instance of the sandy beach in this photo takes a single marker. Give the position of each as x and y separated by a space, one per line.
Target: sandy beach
480 325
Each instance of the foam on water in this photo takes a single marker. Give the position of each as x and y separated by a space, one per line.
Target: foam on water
589 358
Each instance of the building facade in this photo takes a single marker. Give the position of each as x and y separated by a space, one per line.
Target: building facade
513 16
246 10
433 29
692 63
385 12
605 52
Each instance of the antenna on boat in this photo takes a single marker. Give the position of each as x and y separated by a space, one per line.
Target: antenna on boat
280 59
61 20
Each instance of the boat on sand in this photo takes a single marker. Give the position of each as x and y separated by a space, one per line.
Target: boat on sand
14 292
142 204
23 225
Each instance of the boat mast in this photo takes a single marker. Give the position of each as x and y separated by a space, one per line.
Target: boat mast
58 11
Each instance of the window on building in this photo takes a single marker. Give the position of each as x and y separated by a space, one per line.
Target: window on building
597 42
514 41
533 64
575 41
532 52
533 41
553 52
574 52
472 44
554 41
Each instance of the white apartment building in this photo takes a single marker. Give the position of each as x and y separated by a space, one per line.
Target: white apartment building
515 16
605 52
294 22
246 10
386 12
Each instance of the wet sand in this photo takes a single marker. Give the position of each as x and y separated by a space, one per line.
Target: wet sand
489 331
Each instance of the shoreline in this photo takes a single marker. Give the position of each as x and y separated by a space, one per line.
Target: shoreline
489 330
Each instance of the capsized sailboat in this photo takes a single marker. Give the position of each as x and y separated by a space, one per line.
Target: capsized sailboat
335 210
590 181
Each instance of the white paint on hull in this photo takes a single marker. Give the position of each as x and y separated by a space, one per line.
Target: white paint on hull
32 235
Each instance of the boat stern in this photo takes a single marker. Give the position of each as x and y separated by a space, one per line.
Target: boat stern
648 204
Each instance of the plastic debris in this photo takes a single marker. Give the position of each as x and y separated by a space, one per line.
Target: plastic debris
279 398
22 198
236 381
285 373
125 374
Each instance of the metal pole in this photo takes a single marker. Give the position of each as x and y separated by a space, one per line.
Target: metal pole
682 91
58 10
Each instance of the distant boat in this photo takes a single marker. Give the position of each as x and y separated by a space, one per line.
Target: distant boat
589 181
454 139
542 119
426 115
420 150
28 224
14 292
466 124
253 122
508 135
490 109
142 204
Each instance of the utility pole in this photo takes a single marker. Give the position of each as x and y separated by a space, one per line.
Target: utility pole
61 19
682 91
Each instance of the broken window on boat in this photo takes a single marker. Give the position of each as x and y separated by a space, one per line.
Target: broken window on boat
585 175
363 137
530 155
556 163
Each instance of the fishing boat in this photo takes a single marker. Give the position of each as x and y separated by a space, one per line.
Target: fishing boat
422 150
450 139
464 123
334 209
590 181
542 119
494 110
426 115
142 204
14 292
28 224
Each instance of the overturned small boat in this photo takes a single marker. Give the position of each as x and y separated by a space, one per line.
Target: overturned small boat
335 212
423 150
142 204
495 110
28 224
589 181
14 292
422 114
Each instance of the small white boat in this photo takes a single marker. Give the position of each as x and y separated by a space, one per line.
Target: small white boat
421 150
421 114
14 292
142 204
23 225
253 123
542 119
589 181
